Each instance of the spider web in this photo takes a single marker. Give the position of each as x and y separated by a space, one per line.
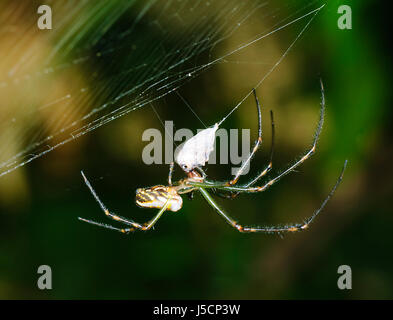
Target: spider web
105 59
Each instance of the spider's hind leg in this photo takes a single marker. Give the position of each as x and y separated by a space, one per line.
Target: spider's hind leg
107 226
134 225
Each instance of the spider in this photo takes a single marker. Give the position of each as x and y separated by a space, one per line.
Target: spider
169 197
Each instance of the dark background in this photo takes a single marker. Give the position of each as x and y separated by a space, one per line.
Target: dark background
193 253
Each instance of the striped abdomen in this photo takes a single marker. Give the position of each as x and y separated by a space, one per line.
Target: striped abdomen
157 196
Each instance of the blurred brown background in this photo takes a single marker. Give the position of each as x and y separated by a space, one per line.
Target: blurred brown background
101 56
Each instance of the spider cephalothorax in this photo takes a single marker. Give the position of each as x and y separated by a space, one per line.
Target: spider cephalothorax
191 156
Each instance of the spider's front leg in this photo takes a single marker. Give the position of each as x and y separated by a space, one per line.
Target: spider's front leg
272 229
226 194
247 187
171 168
256 146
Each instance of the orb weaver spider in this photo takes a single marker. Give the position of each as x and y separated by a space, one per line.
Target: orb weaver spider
169 197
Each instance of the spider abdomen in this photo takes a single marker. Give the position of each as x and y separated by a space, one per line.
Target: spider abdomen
157 197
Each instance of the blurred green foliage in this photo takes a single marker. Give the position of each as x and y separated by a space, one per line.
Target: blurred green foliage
193 253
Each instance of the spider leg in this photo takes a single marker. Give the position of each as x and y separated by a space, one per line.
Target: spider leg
171 168
308 154
146 226
107 226
233 195
106 211
203 173
270 165
256 145
273 229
